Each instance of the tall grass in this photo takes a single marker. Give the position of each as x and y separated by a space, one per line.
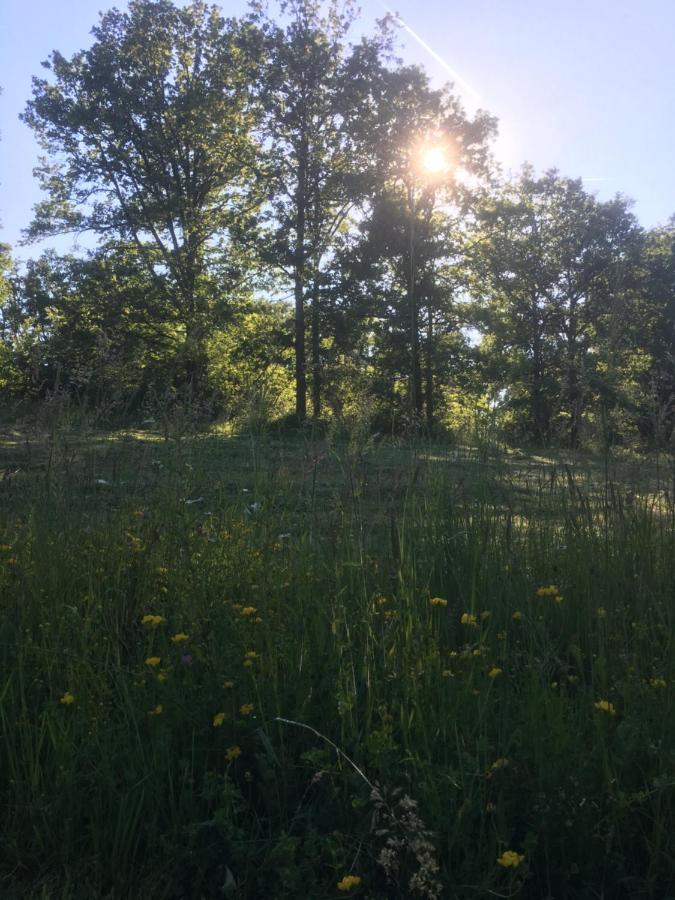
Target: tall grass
358 672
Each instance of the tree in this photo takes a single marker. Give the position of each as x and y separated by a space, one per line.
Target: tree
548 261
147 140
647 360
406 246
317 96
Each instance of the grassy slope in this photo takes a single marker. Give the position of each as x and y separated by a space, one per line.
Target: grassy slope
128 791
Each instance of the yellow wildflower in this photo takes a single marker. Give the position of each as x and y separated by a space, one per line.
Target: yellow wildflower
550 590
517 616
228 685
162 677
249 611
153 661
68 699
157 711
152 621
438 601
250 654
510 859
180 638
657 682
248 663
469 619
601 612
605 706
232 753
246 709
137 544
348 882
494 672
218 719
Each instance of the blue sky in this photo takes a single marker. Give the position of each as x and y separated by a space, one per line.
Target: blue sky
584 85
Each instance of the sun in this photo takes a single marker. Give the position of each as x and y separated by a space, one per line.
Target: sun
434 160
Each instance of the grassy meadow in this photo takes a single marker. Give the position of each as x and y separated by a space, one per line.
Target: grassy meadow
268 667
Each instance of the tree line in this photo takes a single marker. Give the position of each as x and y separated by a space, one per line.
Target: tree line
295 225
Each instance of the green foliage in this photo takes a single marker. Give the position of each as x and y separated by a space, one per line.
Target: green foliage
146 137
250 365
551 267
222 161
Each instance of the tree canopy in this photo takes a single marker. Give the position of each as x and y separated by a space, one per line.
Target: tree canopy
270 191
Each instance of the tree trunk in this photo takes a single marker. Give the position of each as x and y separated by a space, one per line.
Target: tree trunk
430 372
316 353
538 403
299 289
572 388
415 368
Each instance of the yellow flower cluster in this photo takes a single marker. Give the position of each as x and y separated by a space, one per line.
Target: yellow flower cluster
249 611
510 859
605 706
232 753
469 619
246 709
153 661
180 638
218 719
494 672
657 682
517 616
68 699
550 590
438 601
152 621
348 882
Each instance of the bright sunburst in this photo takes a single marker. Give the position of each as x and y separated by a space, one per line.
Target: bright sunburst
434 160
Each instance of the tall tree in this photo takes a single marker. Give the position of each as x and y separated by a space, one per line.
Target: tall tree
648 358
425 147
548 262
146 138
317 95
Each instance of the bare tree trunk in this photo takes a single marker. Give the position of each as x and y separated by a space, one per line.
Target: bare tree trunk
299 290
430 372
415 368
316 352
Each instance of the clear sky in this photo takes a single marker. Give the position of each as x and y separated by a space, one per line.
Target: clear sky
587 86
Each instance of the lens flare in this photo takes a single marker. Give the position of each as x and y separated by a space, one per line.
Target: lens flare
434 160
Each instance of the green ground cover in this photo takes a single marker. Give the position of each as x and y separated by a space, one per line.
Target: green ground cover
256 667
